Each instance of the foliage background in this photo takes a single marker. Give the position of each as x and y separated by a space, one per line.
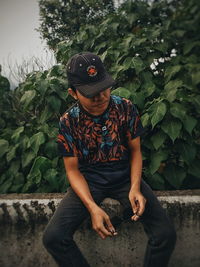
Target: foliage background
129 39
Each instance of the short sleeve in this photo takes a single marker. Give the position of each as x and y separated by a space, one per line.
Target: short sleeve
65 139
135 127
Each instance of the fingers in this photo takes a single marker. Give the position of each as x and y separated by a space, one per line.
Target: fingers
134 205
106 228
140 204
135 217
103 232
109 226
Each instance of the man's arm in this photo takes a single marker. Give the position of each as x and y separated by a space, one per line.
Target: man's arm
136 198
81 188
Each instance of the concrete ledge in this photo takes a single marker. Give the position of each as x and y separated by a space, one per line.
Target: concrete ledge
23 218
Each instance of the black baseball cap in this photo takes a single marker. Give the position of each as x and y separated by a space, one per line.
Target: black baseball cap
86 72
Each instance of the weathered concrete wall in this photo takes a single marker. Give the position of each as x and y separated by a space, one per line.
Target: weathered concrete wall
23 218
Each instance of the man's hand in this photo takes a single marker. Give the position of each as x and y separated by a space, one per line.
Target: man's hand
138 203
101 223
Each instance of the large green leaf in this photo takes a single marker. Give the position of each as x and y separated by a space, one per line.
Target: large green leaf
175 175
171 71
178 111
51 176
121 91
138 99
62 94
162 47
128 40
16 135
172 128
27 98
187 151
4 146
15 188
127 63
103 56
50 149
156 158
194 168
40 166
189 46
158 111
40 163
54 103
17 184
45 115
196 101
14 167
170 94
27 158
158 139
55 162
42 86
12 153
174 84
3 177
116 70
2 123
189 123
25 142
36 141
48 130
145 119
149 88
4 188
196 77
33 180
138 64
156 181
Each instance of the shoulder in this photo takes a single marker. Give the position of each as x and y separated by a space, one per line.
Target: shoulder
122 102
71 114
125 107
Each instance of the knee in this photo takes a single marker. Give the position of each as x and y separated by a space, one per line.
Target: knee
50 238
53 239
168 236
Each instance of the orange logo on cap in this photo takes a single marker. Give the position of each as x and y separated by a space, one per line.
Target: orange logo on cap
91 70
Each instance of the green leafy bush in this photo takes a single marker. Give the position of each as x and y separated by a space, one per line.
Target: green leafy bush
165 35
152 50
62 19
28 150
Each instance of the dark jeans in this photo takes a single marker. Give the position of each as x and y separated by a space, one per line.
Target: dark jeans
58 236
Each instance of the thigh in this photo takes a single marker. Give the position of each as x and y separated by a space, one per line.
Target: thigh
153 213
71 211
156 222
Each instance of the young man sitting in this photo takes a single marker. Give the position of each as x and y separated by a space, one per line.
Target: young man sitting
99 139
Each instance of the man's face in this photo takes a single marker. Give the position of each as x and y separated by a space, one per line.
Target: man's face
95 105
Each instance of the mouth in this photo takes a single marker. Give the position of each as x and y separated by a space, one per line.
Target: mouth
101 104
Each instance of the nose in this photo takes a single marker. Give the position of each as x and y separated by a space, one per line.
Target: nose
98 97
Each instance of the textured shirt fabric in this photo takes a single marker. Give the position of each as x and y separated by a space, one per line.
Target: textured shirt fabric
101 142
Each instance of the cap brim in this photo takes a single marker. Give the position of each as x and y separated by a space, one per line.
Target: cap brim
92 89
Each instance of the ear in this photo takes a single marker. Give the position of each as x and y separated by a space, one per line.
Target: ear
72 93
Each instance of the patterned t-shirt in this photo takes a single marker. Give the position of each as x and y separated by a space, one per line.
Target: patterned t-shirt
101 142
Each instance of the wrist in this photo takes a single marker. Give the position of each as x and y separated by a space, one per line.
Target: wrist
91 207
135 186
